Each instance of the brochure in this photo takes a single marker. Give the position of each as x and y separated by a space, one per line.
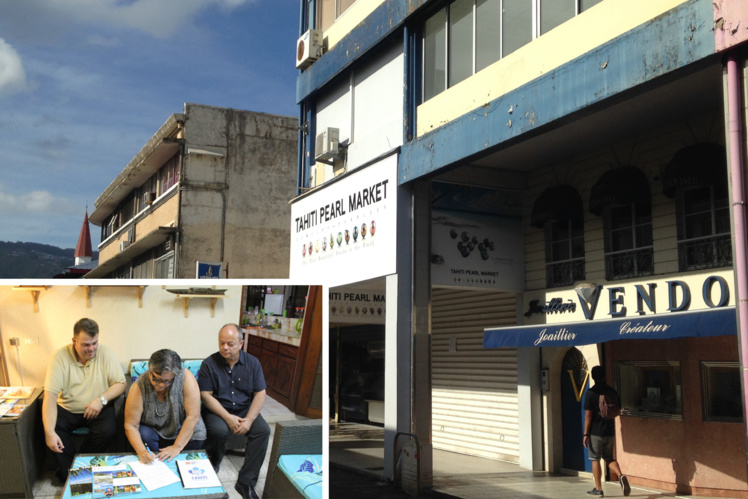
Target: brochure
198 474
16 392
104 476
6 406
81 481
16 410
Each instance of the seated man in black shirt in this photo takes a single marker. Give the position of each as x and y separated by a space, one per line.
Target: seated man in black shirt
232 388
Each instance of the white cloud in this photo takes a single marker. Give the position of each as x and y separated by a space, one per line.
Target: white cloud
41 201
12 74
160 18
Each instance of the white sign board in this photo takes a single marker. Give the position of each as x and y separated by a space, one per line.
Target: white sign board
357 306
471 250
347 232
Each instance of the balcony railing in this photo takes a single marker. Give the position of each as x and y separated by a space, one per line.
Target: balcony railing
630 263
564 273
705 253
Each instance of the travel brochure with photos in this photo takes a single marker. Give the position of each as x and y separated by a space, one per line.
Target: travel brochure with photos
109 481
16 392
109 476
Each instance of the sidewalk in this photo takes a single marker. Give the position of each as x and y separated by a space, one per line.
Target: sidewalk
356 471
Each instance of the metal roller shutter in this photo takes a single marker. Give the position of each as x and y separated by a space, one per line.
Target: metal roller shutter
474 390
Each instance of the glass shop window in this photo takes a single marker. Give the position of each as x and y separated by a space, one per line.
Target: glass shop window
650 389
721 393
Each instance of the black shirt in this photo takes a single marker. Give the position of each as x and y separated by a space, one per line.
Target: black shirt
600 427
234 387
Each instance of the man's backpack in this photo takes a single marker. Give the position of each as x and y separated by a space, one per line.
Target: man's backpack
609 406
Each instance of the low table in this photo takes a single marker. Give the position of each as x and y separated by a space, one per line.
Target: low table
169 491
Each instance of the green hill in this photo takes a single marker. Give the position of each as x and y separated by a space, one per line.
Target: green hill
33 260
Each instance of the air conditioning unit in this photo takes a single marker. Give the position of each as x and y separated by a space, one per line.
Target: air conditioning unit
308 48
327 145
123 245
149 197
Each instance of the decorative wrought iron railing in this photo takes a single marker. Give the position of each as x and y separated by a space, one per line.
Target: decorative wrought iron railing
705 253
629 263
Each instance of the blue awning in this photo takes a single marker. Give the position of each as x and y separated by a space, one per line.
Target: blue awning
700 323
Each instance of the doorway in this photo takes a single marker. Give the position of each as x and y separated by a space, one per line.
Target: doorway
574 381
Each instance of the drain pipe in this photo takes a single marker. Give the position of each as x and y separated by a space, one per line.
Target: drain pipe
735 130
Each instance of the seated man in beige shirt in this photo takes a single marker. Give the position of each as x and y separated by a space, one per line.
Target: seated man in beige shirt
82 379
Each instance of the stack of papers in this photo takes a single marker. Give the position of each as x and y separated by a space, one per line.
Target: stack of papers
154 475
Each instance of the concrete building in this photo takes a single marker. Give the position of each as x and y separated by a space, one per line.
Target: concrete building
206 196
532 188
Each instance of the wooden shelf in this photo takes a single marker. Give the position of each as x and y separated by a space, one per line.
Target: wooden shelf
139 290
34 290
213 300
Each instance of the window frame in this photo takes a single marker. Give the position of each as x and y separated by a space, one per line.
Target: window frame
535 32
653 393
637 250
714 244
704 367
552 265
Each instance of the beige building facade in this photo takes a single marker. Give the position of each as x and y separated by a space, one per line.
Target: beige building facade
207 194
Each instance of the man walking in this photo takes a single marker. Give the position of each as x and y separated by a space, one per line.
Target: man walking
600 432
232 388
82 379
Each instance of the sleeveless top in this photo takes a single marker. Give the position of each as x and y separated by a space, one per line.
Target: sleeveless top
166 417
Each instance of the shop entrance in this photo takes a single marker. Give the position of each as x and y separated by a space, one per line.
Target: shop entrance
574 384
357 374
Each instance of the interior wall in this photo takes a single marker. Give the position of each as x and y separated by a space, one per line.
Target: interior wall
133 332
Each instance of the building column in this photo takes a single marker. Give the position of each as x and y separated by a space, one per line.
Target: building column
422 410
407 406
530 409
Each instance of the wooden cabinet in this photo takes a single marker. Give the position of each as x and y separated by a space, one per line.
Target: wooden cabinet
278 362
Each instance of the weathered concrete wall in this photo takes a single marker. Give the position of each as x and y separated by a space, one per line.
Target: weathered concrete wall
246 192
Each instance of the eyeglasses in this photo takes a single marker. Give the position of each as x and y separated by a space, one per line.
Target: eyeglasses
160 381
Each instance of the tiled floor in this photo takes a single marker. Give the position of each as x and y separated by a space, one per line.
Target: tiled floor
46 486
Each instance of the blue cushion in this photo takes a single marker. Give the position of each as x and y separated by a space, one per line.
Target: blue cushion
305 472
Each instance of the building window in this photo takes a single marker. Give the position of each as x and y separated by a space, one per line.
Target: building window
650 389
622 197
564 254
628 242
468 35
704 240
558 210
696 178
168 174
163 267
721 392
330 10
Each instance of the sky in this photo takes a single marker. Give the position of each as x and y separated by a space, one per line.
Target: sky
84 84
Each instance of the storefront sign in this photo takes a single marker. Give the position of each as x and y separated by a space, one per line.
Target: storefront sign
473 250
701 323
357 306
554 306
347 231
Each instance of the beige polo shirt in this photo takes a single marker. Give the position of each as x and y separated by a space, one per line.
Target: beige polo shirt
75 384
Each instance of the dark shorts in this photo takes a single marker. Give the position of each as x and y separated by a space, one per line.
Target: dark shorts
601 447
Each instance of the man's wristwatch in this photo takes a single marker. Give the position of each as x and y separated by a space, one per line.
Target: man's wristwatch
586 434
103 399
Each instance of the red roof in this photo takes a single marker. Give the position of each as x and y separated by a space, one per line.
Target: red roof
84 241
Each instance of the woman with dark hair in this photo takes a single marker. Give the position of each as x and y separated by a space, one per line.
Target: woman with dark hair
162 412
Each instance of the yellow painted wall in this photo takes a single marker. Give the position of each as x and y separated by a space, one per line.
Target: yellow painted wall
600 24
132 331
164 215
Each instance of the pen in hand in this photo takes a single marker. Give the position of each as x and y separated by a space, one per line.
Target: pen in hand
150 453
